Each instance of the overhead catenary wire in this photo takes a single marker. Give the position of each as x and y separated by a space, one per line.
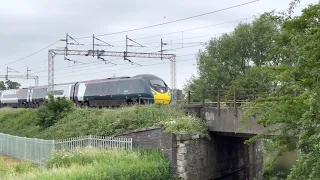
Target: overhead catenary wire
174 21
59 77
97 63
185 30
30 54
154 35
131 67
179 31
175 44
218 24
59 74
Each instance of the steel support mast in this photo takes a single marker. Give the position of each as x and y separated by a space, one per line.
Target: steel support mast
53 52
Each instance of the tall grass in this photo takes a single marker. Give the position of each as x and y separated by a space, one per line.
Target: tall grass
14 169
103 122
102 164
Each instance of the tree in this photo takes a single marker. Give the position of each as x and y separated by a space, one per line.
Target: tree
229 59
297 118
53 110
9 85
2 86
12 84
234 59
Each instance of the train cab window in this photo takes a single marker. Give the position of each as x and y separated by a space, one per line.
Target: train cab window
157 82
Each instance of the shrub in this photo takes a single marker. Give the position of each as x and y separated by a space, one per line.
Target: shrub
53 110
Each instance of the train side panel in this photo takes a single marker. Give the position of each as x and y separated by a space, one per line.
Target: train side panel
62 91
38 95
9 98
22 95
113 92
134 90
100 94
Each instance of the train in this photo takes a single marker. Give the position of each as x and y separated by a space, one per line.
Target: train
109 92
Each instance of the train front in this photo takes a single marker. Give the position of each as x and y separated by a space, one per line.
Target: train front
160 91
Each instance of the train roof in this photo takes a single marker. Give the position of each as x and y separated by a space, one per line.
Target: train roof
144 76
147 76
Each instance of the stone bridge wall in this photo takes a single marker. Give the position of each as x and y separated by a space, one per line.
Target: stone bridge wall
198 158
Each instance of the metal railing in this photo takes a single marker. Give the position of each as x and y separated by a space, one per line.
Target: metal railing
233 98
71 144
39 151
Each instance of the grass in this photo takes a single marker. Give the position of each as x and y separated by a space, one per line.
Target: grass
104 122
11 166
102 164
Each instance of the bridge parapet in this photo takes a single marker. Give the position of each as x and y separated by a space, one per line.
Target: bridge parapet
225 120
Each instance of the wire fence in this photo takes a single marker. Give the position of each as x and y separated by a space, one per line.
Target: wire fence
39 151
34 150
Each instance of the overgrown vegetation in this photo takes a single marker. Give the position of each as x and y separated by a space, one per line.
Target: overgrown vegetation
102 164
53 110
7 168
104 122
278 52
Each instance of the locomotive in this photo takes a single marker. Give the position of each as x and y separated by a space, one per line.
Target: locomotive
110 92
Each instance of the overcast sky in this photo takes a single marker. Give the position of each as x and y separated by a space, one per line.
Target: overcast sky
29 25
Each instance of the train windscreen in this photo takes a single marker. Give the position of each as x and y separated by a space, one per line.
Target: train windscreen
157 82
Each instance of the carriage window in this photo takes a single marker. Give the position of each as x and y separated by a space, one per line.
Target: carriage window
9 96
58 92
157 82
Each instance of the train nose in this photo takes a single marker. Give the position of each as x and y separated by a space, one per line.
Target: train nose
163 98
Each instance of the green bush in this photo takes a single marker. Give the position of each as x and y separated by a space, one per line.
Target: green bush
53 110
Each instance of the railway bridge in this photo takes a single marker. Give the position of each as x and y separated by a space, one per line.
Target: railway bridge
225 156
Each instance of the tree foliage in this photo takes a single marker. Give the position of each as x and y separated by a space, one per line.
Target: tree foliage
9 85
2 86
231 60
52 110
280 52
12 84
297 117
